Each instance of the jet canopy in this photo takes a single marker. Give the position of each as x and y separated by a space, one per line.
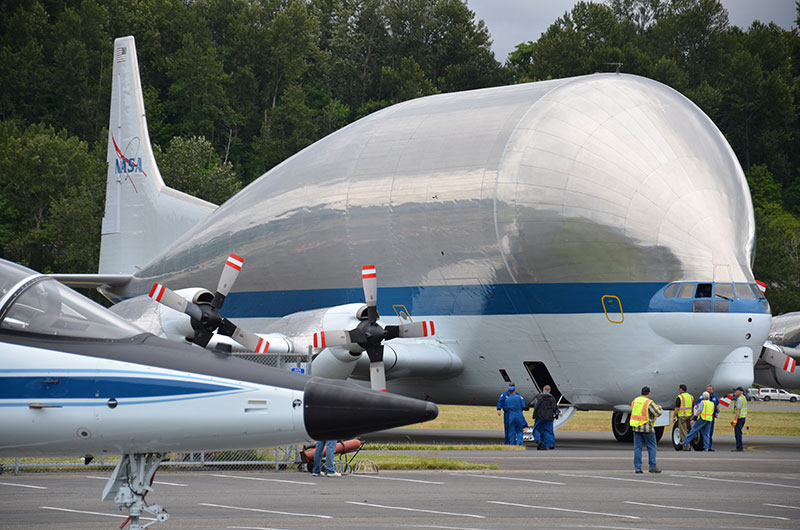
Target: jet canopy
33 303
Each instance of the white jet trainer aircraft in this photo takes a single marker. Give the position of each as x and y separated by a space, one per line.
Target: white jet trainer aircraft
79 380
594 233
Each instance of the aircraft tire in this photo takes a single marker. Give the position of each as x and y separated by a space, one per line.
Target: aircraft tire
676 437
622 431
697 443
659 433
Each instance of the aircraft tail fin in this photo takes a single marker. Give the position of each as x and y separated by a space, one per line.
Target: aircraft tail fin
142 215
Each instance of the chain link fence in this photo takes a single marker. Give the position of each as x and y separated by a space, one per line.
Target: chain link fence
268 458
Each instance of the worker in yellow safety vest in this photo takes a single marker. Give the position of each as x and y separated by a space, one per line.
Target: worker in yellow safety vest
683 412
704 415
739 417
643 412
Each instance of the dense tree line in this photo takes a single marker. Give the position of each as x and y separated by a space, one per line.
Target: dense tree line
233 87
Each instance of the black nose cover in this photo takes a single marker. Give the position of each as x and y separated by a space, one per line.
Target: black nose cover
335 410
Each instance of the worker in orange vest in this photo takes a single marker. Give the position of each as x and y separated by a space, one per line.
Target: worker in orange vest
643 412
683 412
704 415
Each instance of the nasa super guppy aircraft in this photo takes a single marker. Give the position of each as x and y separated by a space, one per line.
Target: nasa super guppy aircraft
594 233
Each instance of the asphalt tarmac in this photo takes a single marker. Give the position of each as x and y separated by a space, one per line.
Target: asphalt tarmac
586 482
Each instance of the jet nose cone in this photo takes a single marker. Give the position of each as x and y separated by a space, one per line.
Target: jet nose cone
431 411
338 410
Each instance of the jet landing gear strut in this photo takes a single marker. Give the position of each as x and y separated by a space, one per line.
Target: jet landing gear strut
130 482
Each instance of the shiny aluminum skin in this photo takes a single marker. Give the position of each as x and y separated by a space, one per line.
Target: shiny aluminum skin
598 178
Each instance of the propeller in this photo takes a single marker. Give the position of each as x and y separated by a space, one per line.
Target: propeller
205 318
369 334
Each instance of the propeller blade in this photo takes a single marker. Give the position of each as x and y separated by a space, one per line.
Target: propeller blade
324 339
173 300
369 280
377 371
250 340
229 274
416 329
202 336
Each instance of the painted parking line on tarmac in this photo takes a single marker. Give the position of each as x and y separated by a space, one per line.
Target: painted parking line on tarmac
601 526
708 511
261 510
403 508
512 478
23 485
400 479
254 528
623 479
739 481
783 506
441 527
91 513
261 479
563 509
154 482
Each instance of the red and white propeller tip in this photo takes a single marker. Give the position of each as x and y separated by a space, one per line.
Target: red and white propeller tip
168 297
250 340
324 339
369 280
229 274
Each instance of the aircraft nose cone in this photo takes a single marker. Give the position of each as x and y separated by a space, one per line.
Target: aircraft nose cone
337 410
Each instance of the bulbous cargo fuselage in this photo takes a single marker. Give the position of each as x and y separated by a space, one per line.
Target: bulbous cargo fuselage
539 225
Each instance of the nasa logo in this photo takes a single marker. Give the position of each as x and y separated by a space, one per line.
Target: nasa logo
128 165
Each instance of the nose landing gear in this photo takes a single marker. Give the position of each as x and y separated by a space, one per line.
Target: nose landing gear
130 482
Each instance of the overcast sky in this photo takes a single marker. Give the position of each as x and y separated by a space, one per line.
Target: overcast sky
513 21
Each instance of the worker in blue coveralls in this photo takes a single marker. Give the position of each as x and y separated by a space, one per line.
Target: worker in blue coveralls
500 406
513 407
545 411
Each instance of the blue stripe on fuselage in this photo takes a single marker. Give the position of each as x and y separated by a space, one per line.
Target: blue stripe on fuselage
496 299
83 387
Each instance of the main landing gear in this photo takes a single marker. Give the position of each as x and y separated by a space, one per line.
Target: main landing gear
621 428
130 482
697 443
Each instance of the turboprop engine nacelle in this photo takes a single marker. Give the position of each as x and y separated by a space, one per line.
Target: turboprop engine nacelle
167 323
411 358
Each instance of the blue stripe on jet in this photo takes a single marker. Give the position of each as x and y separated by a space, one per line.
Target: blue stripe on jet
37 387
498 299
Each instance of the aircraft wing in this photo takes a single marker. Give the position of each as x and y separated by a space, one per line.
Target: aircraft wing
88 281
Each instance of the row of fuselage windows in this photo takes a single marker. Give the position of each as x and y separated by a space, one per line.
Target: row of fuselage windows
714 297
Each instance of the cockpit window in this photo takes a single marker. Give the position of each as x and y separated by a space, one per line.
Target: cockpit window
703 290
671 290
757 291
687 290
723 290
743 292
51 308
